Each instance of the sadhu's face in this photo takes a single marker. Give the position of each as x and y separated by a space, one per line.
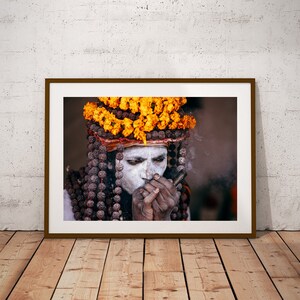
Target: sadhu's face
141 163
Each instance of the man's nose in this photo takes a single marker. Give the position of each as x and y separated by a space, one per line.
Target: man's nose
147 171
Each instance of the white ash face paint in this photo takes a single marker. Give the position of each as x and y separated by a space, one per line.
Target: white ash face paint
141 163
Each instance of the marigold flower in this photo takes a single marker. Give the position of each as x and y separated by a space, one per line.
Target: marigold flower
140 135
133 106
155 112
88 110
124 103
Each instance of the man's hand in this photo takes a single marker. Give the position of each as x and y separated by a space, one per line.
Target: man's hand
142 204
165 200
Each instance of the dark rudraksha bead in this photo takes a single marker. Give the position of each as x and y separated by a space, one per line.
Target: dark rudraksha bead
119 167
77 215
119 175
92 187
148 136
115 215
173 162
102 157
71 191
100 214
179 215
101 205
185 215
74 202
103 166
161 135
119 156
88 212
100 196
75 209
102 149
125 115
118 182
73 196
102 186
82 210
116 207
93 171
168 133
131 116
91 139
118 190
184 206
91 195
96 153
181 160
93 127
118 114
172 154
95 162
173 216
172 147
154 135
81 204
90 203
94 178
80 197
182 152
96 145
101 132
117 198
102 174
177 133
90 147
90 155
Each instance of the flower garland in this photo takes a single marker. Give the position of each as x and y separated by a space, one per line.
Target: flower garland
153 112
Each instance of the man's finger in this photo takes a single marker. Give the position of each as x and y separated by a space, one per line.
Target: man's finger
169 184
150 198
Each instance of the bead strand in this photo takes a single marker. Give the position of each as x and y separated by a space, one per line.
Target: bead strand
101 206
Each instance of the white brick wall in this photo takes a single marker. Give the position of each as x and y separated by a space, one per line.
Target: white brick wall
132 38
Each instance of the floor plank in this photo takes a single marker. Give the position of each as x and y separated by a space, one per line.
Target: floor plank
42 274
164 285
163 270
162 255
82 273
280 263
248 277
206 278
5 237
22 245
292 239
14 258
123 271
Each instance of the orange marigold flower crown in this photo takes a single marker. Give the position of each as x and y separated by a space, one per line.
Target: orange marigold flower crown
135 118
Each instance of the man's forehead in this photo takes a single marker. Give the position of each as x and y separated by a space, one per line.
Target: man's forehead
145 151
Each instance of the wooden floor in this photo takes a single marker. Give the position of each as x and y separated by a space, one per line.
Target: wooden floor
32 267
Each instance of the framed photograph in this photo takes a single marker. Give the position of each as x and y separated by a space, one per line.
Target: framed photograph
150 158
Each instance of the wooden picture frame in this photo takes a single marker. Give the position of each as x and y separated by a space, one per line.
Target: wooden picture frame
222 148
